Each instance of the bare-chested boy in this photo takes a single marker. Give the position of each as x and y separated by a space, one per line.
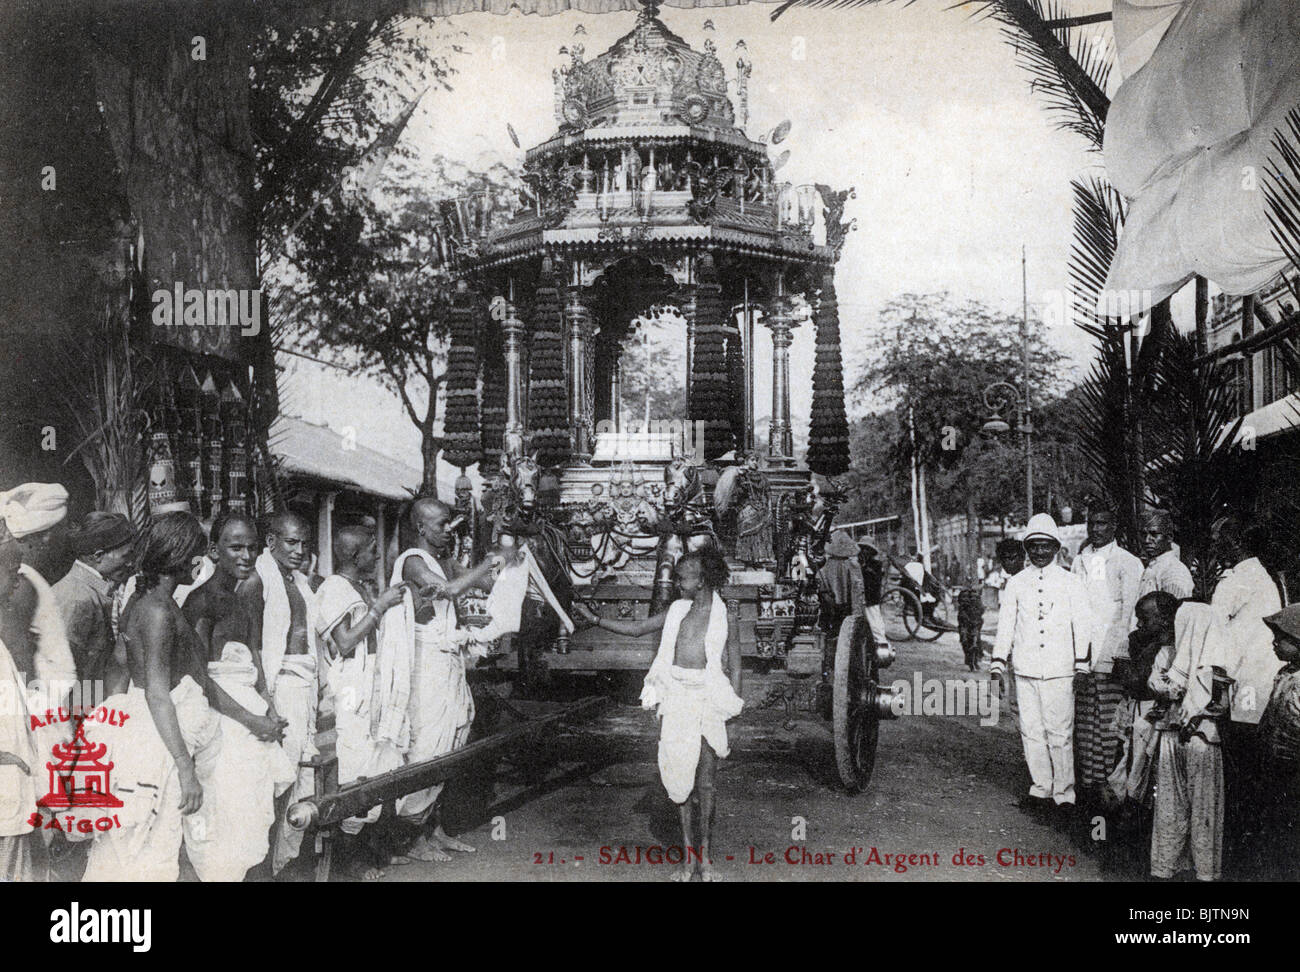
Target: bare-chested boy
694 683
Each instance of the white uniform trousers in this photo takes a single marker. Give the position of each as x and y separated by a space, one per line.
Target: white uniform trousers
1047 731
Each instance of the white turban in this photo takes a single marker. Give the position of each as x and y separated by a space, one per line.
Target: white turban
33 507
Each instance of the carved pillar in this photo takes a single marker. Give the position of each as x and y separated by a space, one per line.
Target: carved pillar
616 394
581 330
780 320
512 333
688 305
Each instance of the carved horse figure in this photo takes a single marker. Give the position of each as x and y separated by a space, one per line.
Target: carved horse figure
519 518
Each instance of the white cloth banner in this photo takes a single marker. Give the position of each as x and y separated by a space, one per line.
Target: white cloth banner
1188 140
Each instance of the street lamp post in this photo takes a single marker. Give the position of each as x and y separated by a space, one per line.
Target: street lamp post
1001 397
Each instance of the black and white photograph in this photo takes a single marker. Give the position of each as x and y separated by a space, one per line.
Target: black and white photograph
619 441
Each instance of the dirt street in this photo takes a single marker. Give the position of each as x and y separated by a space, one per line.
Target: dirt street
944 785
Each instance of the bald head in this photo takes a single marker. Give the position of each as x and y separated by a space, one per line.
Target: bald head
287 520
355 549
429 516
287 538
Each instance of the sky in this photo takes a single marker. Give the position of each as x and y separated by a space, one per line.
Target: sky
920 108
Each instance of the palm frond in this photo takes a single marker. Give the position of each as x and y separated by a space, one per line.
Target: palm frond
1282 192
1197 464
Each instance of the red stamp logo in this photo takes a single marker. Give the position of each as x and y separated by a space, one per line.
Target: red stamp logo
78 778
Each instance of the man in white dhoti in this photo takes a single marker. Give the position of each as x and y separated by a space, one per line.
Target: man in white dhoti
1188 828
289 661
347 625
694 685
1044 631
249 770
170 725
439 706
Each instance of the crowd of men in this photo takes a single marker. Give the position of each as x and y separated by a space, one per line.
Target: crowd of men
215 654
197 662
1151 720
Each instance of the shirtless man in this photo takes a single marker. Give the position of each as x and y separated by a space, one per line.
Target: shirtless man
161 652
282 598
231 835
695 683
221 610
441 704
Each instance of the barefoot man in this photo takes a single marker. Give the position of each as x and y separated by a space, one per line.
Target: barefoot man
230 834
440 707
347 623
288 660
695 684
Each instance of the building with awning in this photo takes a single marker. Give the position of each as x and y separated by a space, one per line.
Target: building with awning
333 481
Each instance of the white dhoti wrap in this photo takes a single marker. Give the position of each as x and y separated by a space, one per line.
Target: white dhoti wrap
442 711
360 755
440 707
692 703
147 846
241 779
349 688
295 698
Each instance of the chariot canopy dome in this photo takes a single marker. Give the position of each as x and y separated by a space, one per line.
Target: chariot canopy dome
650 150
650 80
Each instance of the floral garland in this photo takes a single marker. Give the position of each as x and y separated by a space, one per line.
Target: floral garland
711 396
828 432
548 406
461 424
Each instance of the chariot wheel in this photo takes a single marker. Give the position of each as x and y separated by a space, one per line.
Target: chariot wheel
855 720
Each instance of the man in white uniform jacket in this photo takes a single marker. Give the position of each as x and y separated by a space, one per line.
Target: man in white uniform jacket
1044 630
